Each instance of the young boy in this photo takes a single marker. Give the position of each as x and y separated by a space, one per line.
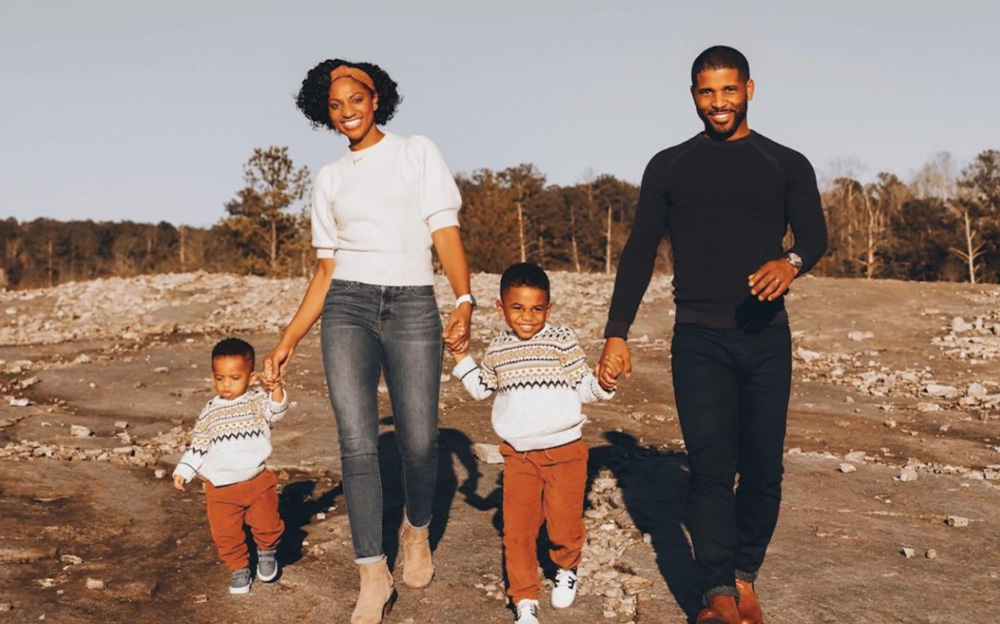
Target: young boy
229 445
540 376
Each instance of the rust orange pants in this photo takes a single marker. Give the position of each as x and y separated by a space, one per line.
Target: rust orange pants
254 502
542 486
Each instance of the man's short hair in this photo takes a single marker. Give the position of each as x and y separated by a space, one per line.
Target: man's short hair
524 274
234 347
720 57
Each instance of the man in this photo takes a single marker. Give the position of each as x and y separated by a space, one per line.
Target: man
725 198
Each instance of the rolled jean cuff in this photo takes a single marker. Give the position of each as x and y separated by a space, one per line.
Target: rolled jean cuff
749 577
366 560
413 526
720 590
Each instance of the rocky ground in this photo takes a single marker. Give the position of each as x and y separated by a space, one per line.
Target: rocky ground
889 515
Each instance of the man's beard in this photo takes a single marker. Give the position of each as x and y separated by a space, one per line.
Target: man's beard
739 116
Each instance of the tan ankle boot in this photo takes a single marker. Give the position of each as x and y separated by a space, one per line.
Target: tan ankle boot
418 568
377 595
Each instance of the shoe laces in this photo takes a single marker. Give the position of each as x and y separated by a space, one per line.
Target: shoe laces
567 577
242 575
529 605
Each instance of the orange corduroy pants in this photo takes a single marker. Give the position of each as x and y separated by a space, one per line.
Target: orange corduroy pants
253 502
546 485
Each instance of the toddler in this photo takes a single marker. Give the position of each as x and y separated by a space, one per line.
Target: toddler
229 445
540 377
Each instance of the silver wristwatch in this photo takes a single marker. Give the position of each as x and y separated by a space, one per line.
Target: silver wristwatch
467 298
794 259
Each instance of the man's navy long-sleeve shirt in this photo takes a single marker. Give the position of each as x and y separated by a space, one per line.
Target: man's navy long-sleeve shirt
725 206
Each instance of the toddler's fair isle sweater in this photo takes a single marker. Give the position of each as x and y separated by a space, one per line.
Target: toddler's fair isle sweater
540 385
232 439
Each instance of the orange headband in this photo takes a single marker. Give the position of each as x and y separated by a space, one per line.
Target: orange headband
346 71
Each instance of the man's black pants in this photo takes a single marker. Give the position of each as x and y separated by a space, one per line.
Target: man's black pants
732 391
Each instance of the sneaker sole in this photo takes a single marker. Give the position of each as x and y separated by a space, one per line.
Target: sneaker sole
239 590
267 579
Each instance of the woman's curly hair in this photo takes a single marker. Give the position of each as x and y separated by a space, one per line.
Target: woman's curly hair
313 97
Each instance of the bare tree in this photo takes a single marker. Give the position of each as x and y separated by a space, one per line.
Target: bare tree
972 250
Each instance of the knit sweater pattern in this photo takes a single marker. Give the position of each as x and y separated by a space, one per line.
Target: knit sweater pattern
232 438
540 385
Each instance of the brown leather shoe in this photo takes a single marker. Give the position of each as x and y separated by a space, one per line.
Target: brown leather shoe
749 605
720 610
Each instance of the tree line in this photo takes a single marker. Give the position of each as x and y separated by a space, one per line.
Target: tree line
941 225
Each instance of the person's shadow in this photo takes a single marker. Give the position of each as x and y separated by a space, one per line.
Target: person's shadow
452 444
297 506
654 486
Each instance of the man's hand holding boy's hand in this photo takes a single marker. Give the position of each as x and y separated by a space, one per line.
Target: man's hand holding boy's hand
609 371
179 483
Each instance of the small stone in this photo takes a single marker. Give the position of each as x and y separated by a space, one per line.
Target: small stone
488 453
807 355
976 390
200 598
22 402
92 385
93 583
858 336
160 473
72 559
83 358
940 390
5 607
849 400
79 431
161 369
957 521
138 385
848 468
931 553
121 424
321 516
855 456
890 423
909 553
907 474
928 407
944 428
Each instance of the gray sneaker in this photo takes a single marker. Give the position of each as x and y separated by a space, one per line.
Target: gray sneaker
240 583
267 565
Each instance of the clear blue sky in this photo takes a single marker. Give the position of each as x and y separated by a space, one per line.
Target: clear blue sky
147 110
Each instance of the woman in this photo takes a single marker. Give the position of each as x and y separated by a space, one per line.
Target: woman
376 212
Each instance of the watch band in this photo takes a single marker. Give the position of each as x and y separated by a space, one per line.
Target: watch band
466 299
794 259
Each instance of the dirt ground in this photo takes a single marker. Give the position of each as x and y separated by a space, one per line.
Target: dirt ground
837 557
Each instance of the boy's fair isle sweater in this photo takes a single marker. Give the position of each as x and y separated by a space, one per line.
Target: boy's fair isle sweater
232 439
540 384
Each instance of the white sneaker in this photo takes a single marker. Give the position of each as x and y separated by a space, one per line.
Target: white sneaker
564 589
527 612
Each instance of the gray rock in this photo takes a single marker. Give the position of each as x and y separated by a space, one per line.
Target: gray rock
79 431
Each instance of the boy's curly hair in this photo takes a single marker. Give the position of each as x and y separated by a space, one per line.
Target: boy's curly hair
313 97
234 347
